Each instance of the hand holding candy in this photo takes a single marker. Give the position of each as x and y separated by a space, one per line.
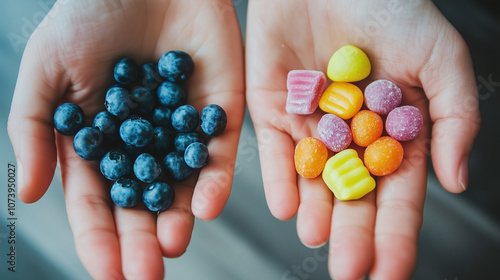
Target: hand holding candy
376 234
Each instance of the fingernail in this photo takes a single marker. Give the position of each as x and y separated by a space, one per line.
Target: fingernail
314 246
20 178
463 173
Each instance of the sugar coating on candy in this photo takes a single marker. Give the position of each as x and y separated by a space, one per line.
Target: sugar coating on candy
366 127
342 99
346 176
382 96
304 91
310 157
334 132
384 156
404 123
348 64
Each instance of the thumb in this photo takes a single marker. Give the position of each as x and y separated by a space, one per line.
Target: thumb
449 83
37 94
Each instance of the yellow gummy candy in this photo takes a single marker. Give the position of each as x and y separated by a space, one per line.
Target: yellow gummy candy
348 64
347 177
342 99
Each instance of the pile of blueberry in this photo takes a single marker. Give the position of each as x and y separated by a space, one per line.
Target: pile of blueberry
148 135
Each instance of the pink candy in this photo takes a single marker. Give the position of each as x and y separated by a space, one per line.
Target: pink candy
404 123
382 96
305 88
334 132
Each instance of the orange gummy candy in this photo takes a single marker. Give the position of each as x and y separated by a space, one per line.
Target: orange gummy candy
383 156
310 157
341 99
366 127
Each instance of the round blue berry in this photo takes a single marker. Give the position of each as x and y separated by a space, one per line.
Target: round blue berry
149 76
136 131
185 118
176 66
115 164
162 142
88 143
145 98
213 120
171 94
182 140
108 124
119 102
158 196
196 155
69 119
126 192
146 168
162 116
175 167
126 71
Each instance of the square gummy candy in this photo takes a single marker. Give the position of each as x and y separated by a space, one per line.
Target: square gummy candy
304 91
347 177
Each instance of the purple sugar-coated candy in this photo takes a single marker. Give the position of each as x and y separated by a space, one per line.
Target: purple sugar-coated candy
382 96
334 132
404 123
305 88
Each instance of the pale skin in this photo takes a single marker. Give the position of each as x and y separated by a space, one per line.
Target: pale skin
419 50
70 58
70 55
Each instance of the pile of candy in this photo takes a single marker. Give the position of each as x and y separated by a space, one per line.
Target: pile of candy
146 130
345 173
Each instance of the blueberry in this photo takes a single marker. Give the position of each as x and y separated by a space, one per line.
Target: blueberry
171 94
175 167
108 124
126 71
119 102
88 143
162 116
213 120
196 155
126 192
158 196
149 76
162 142
115 164
176 66
69 119
145 99
146 168
185 118
182 140
136 131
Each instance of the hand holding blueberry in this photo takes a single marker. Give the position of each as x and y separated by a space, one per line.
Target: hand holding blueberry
71 58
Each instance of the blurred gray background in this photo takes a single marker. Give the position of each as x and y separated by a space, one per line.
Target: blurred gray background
460 237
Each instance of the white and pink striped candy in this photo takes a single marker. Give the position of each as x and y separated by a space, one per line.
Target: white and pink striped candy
305 88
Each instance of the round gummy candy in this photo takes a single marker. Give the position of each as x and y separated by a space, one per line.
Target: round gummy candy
334 132
348 64
366 127
383 156
310 157
382 96
404 123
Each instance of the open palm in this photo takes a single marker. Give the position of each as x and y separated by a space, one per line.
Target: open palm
70 58
408 42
